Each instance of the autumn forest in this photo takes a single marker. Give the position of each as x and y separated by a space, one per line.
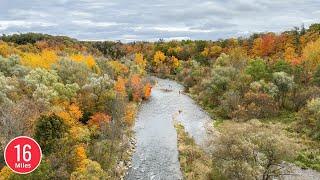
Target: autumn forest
79 100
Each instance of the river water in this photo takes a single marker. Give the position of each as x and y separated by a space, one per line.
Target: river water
156 155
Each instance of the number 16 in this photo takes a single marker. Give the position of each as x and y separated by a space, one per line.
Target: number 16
26 154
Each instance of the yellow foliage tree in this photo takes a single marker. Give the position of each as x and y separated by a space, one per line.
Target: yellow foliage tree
159 58
130 114
175 62
118 68
87 60
311 54
79 156
140 61
5 49
70 113
43 60
290 55
257 47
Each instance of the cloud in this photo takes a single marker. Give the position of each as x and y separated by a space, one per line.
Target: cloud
128 20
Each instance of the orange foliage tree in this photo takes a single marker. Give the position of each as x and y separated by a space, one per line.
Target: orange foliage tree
120 86
79 155
136 87
147 90
99 119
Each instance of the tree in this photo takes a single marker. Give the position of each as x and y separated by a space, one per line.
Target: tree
311 54
120 86
48 130
265 45
97 92
140 61
219 82
147 91
72 72
257 69
89 170
290 55
136 86
79 155
130 113
99 119
89 61
284 83
158 58
70 113
47 87
117 69
282 65
43 60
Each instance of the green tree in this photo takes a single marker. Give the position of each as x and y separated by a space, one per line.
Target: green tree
258 69
72 72
284 83
48 130
282 66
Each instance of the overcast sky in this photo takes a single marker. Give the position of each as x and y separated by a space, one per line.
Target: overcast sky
130 20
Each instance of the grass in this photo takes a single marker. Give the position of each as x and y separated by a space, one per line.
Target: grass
194 162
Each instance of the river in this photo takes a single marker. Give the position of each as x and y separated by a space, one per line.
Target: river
156 155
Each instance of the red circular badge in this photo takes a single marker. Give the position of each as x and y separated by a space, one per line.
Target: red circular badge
22 155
